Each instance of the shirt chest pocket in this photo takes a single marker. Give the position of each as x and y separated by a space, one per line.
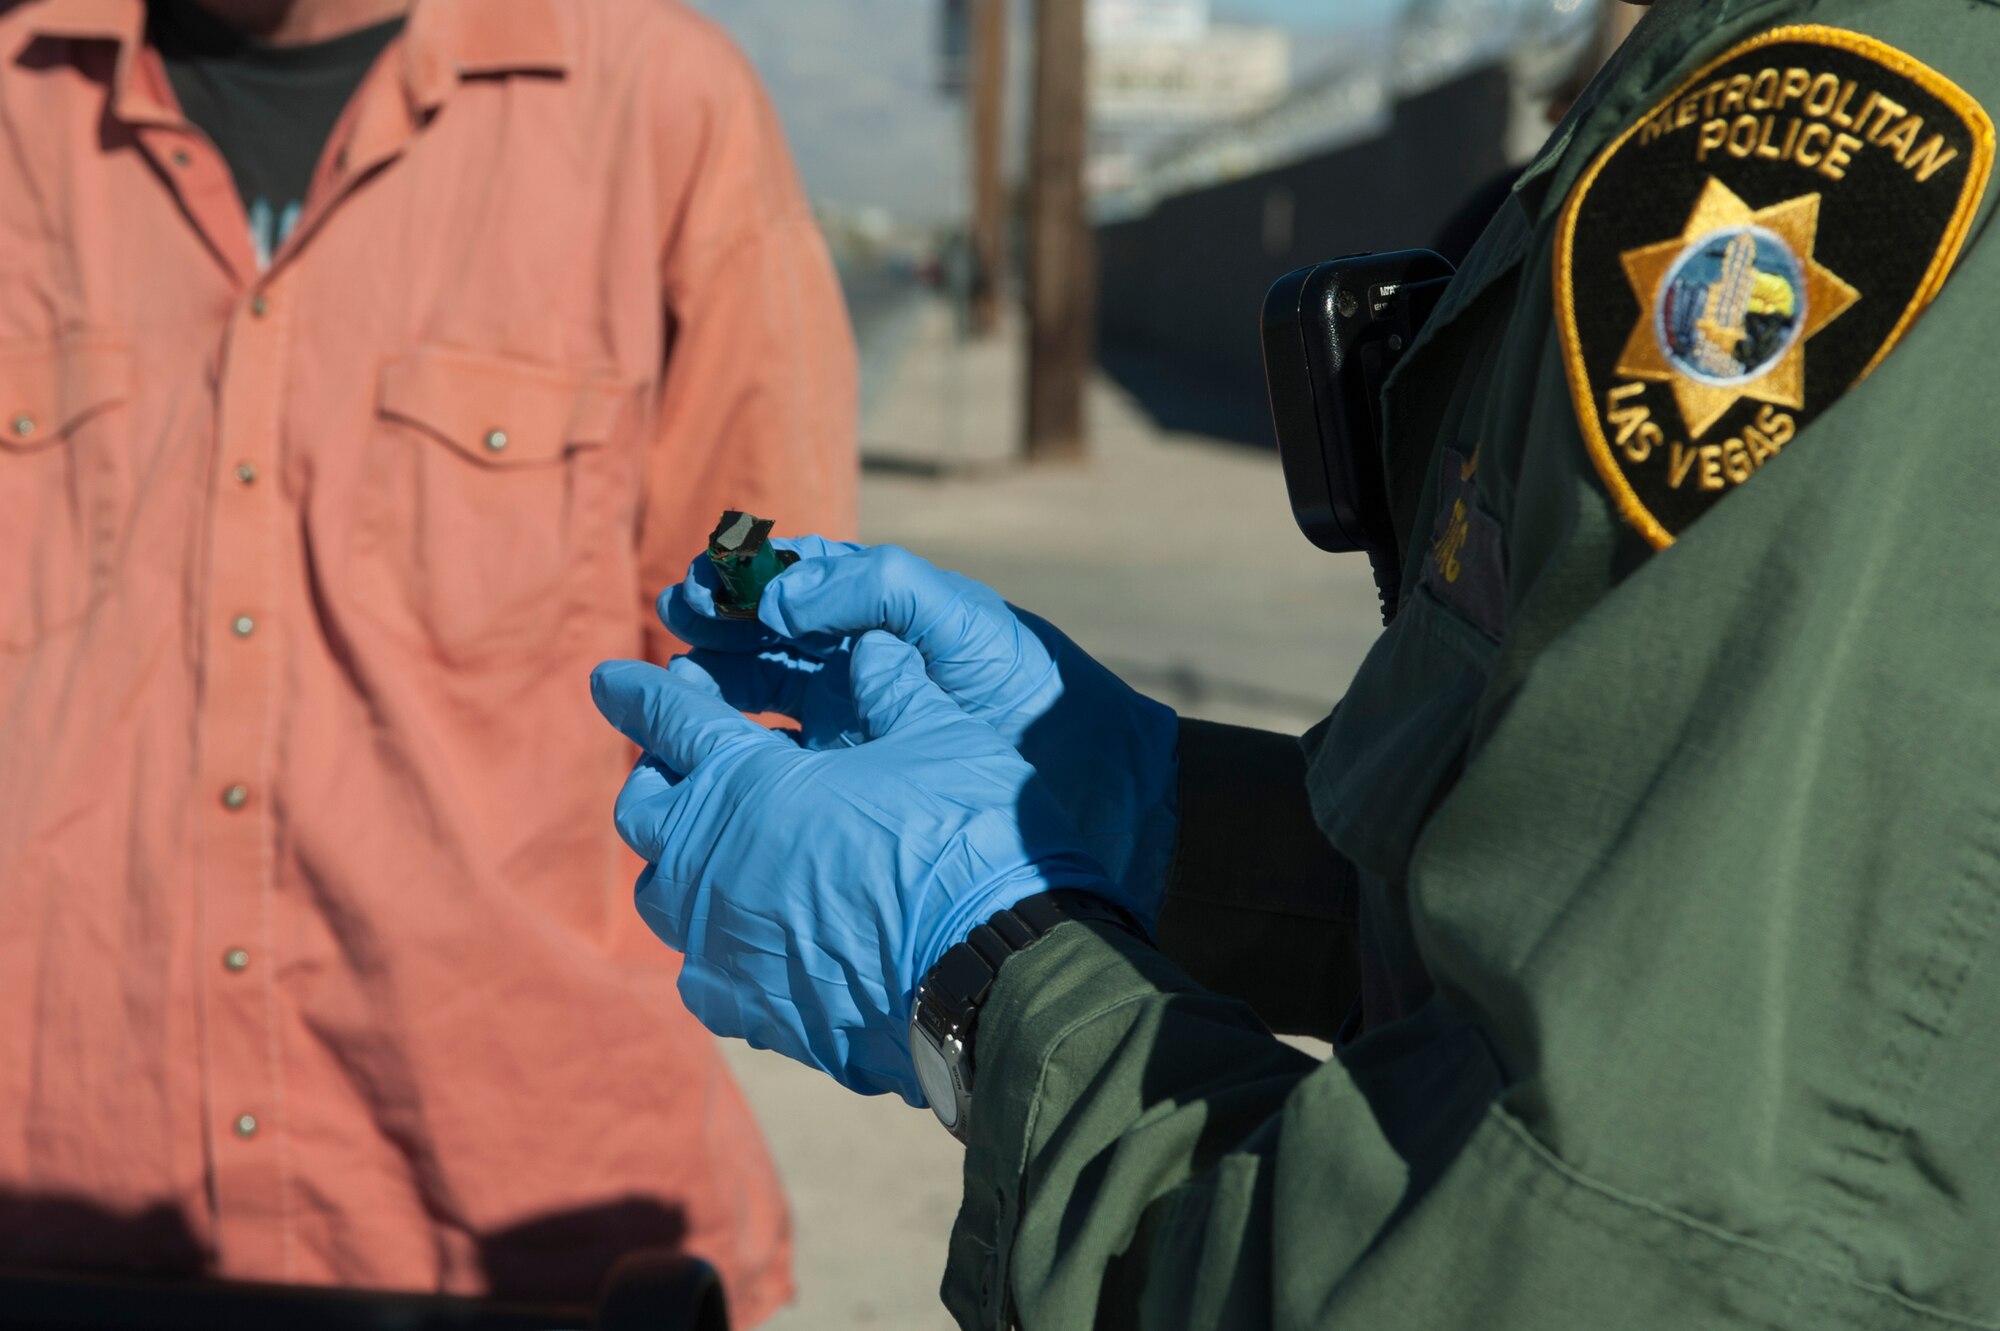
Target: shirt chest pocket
61 496
490 500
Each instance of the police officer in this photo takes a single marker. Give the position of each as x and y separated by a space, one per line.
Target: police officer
1668 800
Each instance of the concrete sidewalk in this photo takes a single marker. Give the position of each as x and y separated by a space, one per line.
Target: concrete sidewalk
1171 558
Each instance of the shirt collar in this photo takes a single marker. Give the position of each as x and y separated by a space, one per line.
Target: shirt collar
113 20
445 40
448 40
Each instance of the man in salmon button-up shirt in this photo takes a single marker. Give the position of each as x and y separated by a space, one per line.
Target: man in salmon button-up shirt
319 962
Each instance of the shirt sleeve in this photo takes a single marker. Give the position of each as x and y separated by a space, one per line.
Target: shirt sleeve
1259 905
759 399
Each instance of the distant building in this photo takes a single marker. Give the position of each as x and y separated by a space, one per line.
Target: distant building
1161 70
1339 104
1158 20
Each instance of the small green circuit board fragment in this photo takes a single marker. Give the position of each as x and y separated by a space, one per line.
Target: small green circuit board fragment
745 561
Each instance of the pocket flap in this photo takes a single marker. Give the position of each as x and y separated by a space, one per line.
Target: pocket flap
47 389
498 411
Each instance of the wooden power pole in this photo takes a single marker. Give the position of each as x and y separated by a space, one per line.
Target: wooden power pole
989 190
1062 276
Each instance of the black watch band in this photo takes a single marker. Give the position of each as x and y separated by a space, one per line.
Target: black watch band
946 1012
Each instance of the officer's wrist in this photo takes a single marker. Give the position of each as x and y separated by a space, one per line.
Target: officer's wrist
1070 874
945 1013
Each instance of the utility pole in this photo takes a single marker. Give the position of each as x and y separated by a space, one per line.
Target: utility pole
989 190
1062 276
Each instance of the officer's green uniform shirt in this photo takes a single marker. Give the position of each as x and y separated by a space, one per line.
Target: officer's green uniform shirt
1680 867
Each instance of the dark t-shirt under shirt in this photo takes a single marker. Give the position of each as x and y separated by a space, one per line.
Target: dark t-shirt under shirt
268 109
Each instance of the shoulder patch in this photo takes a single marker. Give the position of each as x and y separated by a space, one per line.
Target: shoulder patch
1749 251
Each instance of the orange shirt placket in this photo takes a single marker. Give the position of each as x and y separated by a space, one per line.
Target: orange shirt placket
239 710
238 720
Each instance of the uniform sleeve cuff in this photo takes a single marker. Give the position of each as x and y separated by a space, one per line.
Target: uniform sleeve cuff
1049 997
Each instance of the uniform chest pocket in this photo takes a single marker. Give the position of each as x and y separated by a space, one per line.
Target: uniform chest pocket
489 498
61 506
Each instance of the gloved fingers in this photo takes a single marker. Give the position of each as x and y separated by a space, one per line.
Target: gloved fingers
892 690
678 715
688 607
643 806
816 547
692 673
881 587
763 682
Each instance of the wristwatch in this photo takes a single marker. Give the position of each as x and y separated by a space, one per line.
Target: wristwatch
943 1018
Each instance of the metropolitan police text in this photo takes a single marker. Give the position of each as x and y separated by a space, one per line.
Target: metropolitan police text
1818 121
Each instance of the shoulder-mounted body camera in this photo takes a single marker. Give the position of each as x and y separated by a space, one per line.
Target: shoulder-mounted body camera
1332 333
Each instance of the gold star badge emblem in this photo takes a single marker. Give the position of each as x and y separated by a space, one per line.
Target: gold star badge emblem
1711 372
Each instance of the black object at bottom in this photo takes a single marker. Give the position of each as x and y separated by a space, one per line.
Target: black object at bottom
663 1291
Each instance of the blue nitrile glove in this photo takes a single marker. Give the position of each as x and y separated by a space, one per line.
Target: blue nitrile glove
1108 753
811 891
758 672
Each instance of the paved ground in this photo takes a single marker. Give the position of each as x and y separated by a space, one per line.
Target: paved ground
1170 557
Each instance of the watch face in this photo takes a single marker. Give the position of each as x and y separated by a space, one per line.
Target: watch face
935 1077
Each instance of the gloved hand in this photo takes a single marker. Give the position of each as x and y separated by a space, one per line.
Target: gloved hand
812 891
1107 752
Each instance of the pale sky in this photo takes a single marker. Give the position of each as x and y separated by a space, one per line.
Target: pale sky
1311 13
